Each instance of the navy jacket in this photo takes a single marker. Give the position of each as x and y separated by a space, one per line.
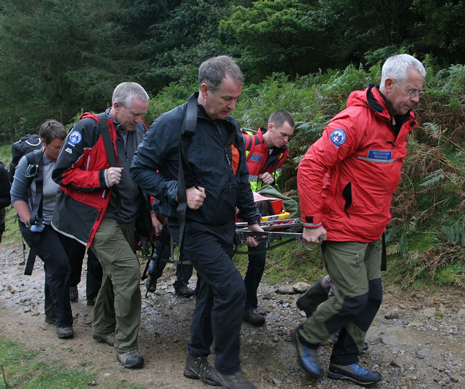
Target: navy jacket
216 155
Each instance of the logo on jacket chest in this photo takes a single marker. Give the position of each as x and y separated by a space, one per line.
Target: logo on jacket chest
382 155
256 158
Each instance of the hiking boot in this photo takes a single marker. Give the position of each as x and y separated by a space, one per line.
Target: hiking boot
235 381
131 360
104 338
197 367
50 319
353 372
185 291
73 294
307 357
65 332
253 317
151 284
313 297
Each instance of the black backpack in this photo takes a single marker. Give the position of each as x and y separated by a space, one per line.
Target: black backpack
25 145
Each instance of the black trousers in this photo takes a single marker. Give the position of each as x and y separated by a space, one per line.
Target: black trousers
220 293
254 274
57 270
76 252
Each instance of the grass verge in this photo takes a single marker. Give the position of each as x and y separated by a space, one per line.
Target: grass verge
23 368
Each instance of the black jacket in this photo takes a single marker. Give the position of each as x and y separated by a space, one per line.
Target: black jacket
5 199
210 153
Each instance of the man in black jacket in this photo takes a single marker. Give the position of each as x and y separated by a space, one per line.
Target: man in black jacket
216 178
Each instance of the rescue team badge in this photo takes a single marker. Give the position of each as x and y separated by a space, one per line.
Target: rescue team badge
256 158
74 138
338 137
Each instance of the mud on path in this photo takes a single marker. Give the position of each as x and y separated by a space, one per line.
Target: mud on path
417 340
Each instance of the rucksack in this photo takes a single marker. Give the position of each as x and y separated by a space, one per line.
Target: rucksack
26 144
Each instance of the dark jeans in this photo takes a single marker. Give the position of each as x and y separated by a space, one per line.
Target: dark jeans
220 293
56 265
76 252
254 274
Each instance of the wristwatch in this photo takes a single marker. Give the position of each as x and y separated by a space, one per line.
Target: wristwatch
27 224
254 222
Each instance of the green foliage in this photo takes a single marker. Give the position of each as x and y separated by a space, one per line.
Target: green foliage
180 41
57 57
273 36
24 368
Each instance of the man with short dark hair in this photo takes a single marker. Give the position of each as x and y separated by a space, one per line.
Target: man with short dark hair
216 182
346 181
266 152
98 205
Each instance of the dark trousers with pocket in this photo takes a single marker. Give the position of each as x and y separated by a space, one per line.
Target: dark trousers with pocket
220 293
76 253
57 269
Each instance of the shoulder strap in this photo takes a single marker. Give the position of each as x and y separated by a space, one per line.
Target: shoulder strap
35 159
188 130
109 150
250 143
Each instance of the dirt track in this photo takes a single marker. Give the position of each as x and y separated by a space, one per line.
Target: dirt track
422 348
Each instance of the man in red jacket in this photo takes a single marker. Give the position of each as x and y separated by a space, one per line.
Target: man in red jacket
98 204
266 152
346 181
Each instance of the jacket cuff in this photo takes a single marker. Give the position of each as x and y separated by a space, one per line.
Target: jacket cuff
311 222
103 178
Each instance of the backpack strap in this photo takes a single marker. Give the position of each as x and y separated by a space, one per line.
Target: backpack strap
188 130
35 159
110 151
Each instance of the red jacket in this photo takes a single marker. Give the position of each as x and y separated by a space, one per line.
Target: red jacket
83 194
347 178
259 159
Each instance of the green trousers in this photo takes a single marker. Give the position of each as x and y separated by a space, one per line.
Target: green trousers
118 304
355 271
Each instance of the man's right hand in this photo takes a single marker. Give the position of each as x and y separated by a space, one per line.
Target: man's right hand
114 175
195 197
312 235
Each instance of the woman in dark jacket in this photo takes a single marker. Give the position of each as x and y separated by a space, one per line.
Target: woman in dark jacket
35 223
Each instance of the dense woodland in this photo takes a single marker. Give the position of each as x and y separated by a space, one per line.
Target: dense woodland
59 57
62 57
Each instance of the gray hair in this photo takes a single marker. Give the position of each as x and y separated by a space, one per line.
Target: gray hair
213 70
51 130
126 91
280 117
396 67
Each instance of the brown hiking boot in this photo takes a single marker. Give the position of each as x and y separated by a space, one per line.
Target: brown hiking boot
65 332
104 338
253 317
185 291
235 381
131 360
197 367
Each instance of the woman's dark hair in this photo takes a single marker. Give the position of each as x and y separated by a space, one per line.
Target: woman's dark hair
51 130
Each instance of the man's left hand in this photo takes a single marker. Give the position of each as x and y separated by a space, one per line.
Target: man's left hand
267 178
251 241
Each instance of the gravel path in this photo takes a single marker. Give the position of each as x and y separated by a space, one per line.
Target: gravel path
416 341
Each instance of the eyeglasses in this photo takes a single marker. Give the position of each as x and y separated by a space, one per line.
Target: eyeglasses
411 92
